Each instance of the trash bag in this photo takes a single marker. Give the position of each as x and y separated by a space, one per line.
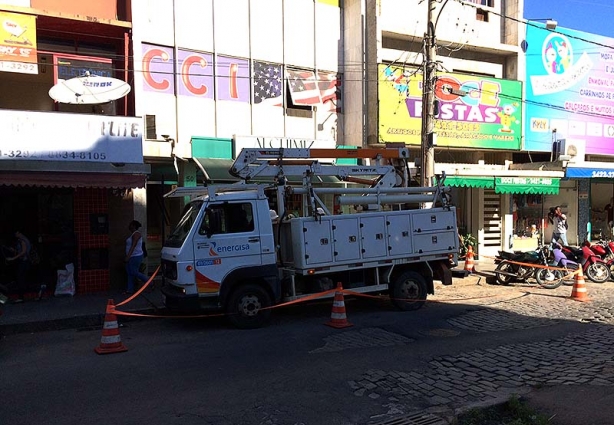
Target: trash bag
66 281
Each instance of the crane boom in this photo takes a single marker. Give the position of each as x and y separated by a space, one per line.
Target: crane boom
305 162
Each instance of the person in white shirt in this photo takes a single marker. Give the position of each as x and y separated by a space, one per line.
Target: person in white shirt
559 220
134 256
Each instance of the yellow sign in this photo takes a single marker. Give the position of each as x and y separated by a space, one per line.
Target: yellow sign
18 43
473 111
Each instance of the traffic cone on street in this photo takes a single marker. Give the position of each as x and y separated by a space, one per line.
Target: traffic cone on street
338 319
110 342
469 265
579 292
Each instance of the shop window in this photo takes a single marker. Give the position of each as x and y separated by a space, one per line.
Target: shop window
527 211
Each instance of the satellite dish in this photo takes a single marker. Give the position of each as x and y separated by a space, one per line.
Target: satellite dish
88 89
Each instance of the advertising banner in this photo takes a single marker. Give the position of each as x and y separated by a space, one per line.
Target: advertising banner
18 43
569 90
474 111
69 66
44 136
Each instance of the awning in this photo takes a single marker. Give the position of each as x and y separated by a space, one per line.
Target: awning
73 174
527 185
217 170
470 181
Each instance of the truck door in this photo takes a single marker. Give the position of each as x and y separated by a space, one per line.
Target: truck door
227 239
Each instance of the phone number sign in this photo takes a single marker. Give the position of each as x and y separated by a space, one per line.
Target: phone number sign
590 173
48 136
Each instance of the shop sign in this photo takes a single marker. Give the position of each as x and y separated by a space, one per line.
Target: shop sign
241 142
527 185
47 136
18 43
569 89
473 111
589 173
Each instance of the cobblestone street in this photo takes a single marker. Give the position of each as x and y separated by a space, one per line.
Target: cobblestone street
479 376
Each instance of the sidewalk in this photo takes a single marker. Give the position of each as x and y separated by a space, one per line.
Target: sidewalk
81 311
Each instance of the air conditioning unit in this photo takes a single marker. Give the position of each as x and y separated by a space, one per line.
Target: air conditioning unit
572 150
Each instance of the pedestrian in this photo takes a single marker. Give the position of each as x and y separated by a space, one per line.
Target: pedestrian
22 251
134 256
559 220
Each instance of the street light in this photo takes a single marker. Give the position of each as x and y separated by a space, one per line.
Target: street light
551 24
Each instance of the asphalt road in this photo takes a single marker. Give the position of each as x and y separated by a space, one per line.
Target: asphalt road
295 371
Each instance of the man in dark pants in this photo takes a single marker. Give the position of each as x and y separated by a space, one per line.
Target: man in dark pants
22 257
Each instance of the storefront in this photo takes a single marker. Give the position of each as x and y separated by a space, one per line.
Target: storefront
66 184
500 209
595 197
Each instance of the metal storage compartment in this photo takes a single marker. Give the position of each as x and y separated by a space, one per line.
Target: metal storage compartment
313 241
346 239
373 237
399 236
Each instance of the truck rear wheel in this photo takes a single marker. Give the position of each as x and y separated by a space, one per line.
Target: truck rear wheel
248 307
408 291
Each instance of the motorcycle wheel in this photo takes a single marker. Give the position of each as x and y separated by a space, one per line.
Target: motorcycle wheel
598 272
506 267
549 279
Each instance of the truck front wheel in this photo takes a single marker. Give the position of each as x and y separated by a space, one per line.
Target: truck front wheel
408 291
248 307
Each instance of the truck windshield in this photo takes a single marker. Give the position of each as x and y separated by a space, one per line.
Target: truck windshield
181 231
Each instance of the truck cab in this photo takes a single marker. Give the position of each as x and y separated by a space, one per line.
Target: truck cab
223 242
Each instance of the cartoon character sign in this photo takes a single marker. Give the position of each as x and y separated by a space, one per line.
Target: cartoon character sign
507 117
557 54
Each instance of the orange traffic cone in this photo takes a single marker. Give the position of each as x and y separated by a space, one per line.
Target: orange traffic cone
338 319
110 342
579 292
469 265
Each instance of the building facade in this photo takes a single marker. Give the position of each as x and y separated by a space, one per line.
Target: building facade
69 173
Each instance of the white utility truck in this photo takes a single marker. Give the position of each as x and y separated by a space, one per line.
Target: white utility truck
246 246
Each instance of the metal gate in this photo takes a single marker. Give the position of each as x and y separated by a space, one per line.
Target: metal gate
492 223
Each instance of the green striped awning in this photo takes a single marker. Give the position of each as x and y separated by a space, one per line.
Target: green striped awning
527 185
470 181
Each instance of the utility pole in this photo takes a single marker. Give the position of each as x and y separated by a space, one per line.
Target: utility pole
427 170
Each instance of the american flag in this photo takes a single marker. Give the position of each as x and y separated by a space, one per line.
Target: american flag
330 90
304 88
268 86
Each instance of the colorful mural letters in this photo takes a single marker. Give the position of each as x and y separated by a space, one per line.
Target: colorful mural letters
195 76
487 116
570 89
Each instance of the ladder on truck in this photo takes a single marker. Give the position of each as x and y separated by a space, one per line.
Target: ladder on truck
389 185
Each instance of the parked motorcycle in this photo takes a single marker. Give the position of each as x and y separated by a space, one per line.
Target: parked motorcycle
517 266
593 267
605 250
561 271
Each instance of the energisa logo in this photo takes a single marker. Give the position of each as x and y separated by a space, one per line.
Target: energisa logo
216 250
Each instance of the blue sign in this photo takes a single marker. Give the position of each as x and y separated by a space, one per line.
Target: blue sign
590 173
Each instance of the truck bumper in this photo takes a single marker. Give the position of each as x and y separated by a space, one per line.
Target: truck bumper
175 300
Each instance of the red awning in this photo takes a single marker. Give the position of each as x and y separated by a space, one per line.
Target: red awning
51 179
